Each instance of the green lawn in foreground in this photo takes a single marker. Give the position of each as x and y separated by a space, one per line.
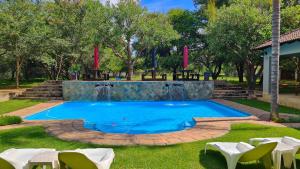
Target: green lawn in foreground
12 105
182 156
266 106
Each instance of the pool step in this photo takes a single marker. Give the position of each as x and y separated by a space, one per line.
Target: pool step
49 90
225 90
230 94
39 98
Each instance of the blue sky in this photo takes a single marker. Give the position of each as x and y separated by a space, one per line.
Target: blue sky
166 5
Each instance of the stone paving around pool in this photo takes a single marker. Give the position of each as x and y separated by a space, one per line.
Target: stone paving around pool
206 128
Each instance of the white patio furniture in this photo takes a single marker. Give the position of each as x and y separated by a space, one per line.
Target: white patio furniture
287 149
243 152
45 159
18 158
98 158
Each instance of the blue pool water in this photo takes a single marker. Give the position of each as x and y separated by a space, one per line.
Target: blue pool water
137 117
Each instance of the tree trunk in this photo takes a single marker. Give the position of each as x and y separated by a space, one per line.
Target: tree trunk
129 70
130 62
59 69
298 70
240 71
214 76
251 77
275 60
217 71
12 77
18 69
174 73
261 80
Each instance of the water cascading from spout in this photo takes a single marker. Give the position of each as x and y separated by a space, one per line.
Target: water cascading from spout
104 91
169 94
175 91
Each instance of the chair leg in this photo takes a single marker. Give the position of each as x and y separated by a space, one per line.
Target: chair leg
231 163
62 165
267 161
288 160
294 161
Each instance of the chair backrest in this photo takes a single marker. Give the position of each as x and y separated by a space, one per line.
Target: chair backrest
75 160
258 152
5 164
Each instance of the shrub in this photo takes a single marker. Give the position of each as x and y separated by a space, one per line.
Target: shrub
7 120
289 120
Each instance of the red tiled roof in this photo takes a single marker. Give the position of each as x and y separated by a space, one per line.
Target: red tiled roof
288 37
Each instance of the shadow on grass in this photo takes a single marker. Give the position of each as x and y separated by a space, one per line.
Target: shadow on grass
19 136
215 160
34 137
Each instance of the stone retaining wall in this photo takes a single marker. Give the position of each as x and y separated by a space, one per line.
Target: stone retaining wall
136 91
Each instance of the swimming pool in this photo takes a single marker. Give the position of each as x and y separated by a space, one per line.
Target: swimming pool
137 117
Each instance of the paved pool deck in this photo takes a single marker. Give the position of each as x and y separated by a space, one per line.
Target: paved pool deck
5 94
206 128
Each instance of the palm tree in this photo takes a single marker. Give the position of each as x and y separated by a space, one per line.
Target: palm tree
275 59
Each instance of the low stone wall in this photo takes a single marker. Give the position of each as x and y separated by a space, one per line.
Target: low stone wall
136 91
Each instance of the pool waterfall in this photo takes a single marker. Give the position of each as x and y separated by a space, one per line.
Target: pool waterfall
104 91
137 90
175 91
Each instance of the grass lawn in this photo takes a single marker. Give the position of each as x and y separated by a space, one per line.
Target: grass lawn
182 156
266 106
11 84
12 105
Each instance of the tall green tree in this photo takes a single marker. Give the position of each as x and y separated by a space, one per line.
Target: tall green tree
275 59
290 18
17 32
97 22
134 30
237 30
187 24
218 3
287 3
63 33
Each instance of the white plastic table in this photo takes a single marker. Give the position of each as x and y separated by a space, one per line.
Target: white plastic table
287 152
45 159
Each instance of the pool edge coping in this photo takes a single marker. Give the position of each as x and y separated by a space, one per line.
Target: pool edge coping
73 130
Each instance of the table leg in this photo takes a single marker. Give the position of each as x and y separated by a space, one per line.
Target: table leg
277 159
55 165
34 167
288 160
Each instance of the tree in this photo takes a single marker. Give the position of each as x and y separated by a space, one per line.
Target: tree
287 3
290 18
219 3
17 32
97 22
275 59
63 36
134 30
213 63
187 24
290 21
109 62
237 30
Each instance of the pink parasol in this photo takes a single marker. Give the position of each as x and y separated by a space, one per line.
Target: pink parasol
185 57
96 57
